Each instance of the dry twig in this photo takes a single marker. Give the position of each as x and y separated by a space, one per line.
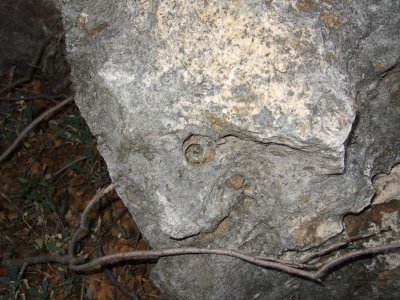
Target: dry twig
279 265
108 270
81 232
338 246
35 97
68 165
9 200
33 124
313 275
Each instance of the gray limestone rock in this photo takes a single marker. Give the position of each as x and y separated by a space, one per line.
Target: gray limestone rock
250 125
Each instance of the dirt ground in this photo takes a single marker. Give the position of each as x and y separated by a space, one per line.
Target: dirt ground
45 184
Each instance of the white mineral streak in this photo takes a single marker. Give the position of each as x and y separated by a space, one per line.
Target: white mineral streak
228 47
118 80
169 217
328 228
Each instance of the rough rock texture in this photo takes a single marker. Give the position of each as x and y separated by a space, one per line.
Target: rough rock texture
250 125
24 26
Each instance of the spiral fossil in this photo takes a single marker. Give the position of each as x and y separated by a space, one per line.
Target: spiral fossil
198 149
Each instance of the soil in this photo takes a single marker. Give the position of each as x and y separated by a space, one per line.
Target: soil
46 183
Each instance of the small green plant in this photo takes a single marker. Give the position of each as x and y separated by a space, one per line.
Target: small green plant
11 283
12 119
43 293
75 167
66 280
126 234
6 125
53 247
38 190
78 131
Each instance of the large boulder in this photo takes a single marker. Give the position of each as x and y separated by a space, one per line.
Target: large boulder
249 125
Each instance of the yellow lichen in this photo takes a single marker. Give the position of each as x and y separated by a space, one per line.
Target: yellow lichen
331 19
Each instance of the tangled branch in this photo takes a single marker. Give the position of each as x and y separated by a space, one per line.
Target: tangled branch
79 264
32 125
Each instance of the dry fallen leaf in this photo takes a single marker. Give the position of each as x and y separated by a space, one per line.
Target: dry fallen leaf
99 291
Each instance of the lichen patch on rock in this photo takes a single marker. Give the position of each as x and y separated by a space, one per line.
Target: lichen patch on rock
255 65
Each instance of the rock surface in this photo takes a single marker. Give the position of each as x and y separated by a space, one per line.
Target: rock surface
249 125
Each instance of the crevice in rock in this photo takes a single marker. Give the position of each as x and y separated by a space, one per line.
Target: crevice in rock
185 237
249 138
388 71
